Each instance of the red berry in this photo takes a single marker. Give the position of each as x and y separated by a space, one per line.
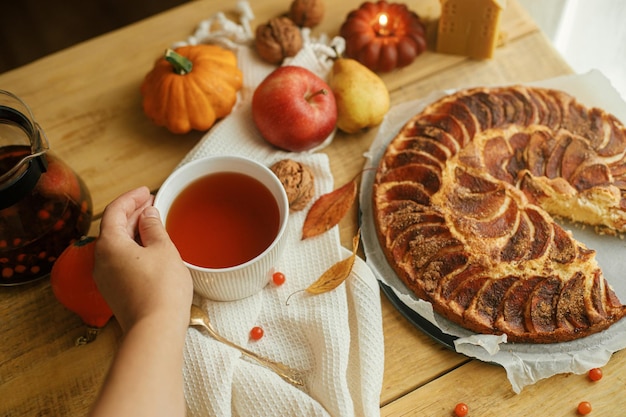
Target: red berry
278 278
256 333
584 408
461 410
595 374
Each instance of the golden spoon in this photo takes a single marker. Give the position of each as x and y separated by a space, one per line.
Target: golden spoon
201 319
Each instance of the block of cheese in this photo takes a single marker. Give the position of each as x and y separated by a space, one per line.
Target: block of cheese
469 27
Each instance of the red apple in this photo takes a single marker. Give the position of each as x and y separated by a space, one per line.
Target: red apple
294 109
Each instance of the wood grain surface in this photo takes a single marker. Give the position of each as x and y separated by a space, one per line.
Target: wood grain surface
87 100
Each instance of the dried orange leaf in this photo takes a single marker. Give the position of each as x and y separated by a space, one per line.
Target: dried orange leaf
337 273
328 210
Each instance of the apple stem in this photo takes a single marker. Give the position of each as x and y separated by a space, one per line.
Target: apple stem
320 91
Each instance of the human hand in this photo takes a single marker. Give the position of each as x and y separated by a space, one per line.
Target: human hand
138 269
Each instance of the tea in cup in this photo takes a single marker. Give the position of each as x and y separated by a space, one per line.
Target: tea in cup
227 215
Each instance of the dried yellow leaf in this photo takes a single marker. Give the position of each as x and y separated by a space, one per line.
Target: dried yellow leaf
337 273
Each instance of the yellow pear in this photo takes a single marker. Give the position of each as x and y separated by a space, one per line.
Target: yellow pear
361 95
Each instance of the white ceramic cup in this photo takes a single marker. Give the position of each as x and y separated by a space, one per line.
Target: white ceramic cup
246 279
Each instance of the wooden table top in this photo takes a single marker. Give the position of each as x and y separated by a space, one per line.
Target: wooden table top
87 100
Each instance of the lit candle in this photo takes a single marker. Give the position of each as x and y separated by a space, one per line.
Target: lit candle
383 36
383 21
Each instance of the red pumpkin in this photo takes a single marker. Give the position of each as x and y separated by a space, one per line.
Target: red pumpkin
73 285
401 41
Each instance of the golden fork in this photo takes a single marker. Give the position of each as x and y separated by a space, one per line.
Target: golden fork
200 319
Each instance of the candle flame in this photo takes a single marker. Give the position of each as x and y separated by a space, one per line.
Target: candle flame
383 20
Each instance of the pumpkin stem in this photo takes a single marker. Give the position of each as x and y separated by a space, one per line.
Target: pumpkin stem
84 240
181 64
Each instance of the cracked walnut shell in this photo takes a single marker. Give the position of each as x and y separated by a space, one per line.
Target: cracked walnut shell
277 39
298 181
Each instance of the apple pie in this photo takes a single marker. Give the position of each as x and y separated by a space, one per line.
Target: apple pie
464 202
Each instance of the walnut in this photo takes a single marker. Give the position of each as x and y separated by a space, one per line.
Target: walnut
307 13
298 181
277 39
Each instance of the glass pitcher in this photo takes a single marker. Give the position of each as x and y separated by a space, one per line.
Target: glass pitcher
44 205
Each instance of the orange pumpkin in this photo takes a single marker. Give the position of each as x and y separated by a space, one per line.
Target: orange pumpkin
191 87
404 40
73 285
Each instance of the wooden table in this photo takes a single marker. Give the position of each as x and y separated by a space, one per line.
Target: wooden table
87 100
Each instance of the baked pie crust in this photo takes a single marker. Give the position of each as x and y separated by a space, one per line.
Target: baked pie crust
464 200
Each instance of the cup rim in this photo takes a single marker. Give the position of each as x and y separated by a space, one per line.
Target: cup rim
283 204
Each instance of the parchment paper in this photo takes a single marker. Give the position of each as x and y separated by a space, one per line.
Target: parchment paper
524 363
